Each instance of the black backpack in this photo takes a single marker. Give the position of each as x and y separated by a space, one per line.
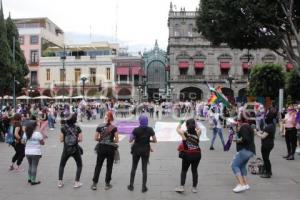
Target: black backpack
71 138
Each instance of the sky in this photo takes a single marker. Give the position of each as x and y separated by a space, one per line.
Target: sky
139 22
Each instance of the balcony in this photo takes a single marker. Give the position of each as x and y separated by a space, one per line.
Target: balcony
191 77
212 78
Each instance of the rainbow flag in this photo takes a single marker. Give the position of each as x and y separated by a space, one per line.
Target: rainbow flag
212 99
220 96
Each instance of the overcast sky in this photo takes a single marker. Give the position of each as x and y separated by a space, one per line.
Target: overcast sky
140 22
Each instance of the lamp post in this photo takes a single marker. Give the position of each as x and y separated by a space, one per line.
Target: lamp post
83 79
63 58
230 79
172 89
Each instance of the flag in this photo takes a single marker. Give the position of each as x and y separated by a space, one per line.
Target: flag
220 96
212 99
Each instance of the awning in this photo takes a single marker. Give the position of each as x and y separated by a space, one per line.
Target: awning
199 64
225 65
289 66
136 70
183 64
122 71
246 65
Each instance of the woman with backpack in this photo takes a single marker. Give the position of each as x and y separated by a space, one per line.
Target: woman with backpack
189 152
17 130
107 136
33 140
71 135
245 150
141 150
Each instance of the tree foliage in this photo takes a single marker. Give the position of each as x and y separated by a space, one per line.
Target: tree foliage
266 80
293 85
20 65
253 24
5 57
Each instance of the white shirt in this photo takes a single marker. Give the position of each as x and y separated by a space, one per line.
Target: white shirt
33 146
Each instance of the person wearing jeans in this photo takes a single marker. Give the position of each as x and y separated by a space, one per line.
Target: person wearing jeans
217 130
33 152
245 150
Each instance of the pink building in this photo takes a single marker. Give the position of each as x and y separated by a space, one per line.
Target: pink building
36 36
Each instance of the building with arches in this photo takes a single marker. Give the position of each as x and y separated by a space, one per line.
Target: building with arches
194 62
156 71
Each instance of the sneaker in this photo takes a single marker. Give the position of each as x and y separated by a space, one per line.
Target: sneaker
179 189
77 184
239 188
94 186
108 186
247 187
194 190
36 183
211 148
130 187
29 181
144 189
11 168
60 184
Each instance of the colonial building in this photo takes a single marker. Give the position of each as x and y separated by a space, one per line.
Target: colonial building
36 36
129 76
194 62
156 69
87 67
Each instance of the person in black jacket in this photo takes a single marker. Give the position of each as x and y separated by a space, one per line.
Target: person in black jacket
267 144
245 150
141 150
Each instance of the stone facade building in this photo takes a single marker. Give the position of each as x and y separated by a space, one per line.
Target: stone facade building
194 62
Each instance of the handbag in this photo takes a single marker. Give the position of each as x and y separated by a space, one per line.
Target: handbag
256 167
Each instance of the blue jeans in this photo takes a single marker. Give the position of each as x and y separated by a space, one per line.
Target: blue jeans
219 132
240 161
50 121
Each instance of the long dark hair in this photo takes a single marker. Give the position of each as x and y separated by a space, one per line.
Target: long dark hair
191 126
29 128
72 119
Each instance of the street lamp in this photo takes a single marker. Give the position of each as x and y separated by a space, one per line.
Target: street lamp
63 58
14 91
83 79
230 79
172 89
30 90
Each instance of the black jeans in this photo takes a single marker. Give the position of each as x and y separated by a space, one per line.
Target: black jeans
184 168
101 156
265 152
20 153
291 140
64 158
135 162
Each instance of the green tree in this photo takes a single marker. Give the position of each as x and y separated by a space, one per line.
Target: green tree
6 67
253 24
266 80
293 85
21 68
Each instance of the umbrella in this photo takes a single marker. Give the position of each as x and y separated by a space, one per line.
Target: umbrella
7 97
42 97
61 97
24 97
79 97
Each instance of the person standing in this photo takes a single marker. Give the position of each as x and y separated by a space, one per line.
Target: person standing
33 140
71 135
290 132
107 136
141 150
217 129
245 150
190 153
19 147
267 143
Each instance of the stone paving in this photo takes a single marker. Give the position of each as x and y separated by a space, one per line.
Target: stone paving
215 177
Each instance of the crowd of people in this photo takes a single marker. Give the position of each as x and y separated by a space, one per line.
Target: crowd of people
25 129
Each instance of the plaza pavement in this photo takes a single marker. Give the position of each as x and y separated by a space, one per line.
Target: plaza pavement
215 177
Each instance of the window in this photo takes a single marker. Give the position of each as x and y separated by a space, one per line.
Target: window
198 71
34 56
21 40
77 75
93 76
123 78
48 74
33 77
224 71
183 71
34 39
108 73
62 75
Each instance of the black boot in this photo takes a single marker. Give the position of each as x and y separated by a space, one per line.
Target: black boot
291 157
